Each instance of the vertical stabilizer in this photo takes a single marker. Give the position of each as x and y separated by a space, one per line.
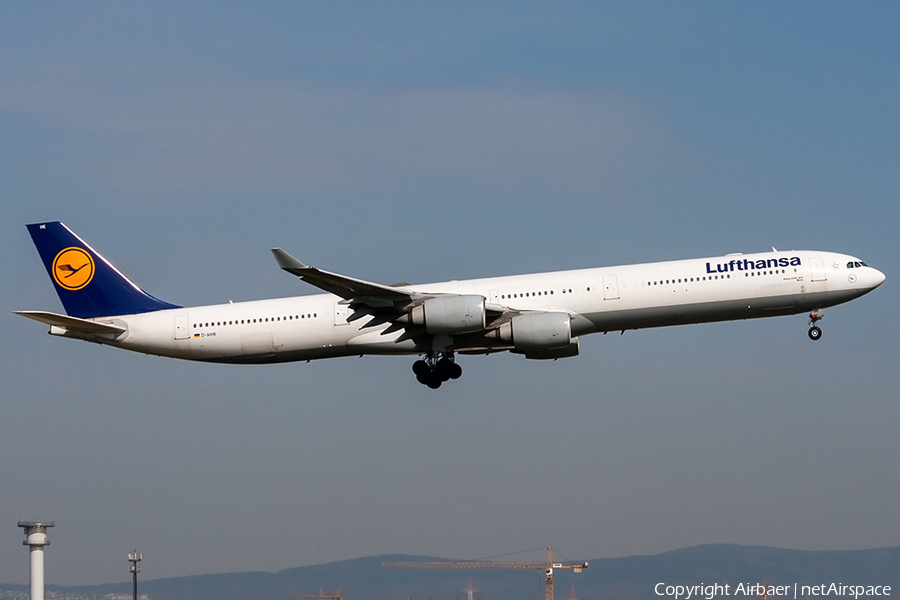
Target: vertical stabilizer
88 285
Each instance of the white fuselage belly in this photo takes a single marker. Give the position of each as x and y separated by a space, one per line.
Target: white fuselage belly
601 299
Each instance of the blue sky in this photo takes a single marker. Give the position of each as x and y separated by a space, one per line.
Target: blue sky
410 142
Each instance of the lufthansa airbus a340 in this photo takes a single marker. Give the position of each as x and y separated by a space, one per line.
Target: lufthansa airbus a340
541 315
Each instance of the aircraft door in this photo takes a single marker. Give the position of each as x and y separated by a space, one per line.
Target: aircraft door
494 297
340 313
817 269
182 330
610 287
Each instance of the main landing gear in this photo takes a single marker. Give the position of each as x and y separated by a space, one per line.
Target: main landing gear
436 368
814 332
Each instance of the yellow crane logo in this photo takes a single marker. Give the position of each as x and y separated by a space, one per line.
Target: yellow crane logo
73 268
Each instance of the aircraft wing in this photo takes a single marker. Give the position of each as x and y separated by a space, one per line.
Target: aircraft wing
347 288
382 303
70 323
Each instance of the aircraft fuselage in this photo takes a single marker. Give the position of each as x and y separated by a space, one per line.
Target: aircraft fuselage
602 299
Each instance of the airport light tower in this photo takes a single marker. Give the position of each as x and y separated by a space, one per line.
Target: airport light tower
134 557
36 539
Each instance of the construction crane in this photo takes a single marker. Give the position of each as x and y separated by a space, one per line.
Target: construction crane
547 567
337 595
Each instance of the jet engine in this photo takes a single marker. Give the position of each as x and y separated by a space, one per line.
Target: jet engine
449 314
537 331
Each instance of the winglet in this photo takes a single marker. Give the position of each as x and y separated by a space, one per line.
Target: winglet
288 262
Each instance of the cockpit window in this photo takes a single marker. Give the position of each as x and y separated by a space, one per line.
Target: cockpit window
856 264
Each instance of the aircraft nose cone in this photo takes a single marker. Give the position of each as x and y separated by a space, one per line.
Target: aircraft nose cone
877 278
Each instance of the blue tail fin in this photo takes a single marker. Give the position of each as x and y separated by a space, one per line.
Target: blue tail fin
88 285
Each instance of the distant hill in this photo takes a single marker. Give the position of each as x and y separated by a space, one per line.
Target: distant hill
632 577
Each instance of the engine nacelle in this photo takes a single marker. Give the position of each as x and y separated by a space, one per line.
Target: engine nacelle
551 353
450 314
537 331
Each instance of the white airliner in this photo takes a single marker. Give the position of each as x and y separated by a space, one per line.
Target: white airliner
540 316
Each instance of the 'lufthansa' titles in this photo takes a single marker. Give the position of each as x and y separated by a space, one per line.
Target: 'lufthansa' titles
748 265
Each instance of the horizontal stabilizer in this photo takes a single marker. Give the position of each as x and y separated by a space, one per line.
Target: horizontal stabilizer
70 323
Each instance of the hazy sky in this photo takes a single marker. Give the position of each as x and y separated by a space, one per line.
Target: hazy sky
418 142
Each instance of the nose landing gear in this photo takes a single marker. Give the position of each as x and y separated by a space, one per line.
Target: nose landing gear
815 332
436 368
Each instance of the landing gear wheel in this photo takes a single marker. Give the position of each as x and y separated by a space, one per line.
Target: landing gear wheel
443 368
436 368
814 332
455 371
